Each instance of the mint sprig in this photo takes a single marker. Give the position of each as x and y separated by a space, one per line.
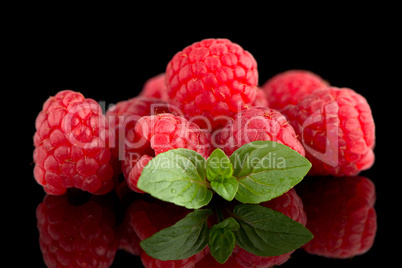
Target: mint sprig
256 172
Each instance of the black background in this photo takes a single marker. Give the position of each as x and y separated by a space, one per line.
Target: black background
108 56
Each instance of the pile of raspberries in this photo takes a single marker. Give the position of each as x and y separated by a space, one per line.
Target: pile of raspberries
208 97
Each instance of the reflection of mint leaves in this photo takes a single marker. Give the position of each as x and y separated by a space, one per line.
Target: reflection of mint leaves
222 239
256 229
256 172
182 240
219 173
266 232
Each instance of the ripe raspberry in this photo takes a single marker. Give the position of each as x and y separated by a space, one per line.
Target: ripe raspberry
149 217
123 116
336 128
290 205
341 215
76 235
260 98
290 86
210 262
156 134
155 87
71 145
257 123
210 78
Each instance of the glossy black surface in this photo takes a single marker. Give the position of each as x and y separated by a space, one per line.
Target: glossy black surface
106 230
110 62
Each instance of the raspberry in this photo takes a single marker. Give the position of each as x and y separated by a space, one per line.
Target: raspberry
155 87
209 261
211 78
257 123
71 145
290 205
149 217
156 134
336 127
290 86
341 215
260 98
123 116
76 235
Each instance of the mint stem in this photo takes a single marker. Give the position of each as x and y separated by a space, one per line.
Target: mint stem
219 213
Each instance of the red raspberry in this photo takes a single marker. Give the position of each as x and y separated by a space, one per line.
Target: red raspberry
257 123
290 86
155 87
156 134
211 78
71 145
123 116
149 217
336 128
76 235
290 205
210 262
341 215
260 98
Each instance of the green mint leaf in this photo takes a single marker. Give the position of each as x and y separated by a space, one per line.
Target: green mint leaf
229 223
266 169
266 232
182 240
177 176
219 173
222 239
218 166
227 188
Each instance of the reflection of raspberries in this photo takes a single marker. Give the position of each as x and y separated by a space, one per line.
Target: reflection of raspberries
288 87
213 77
76 235
336 127
290 205
71 145
153 135
155 88
123 116
147 218
254 124
340 215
